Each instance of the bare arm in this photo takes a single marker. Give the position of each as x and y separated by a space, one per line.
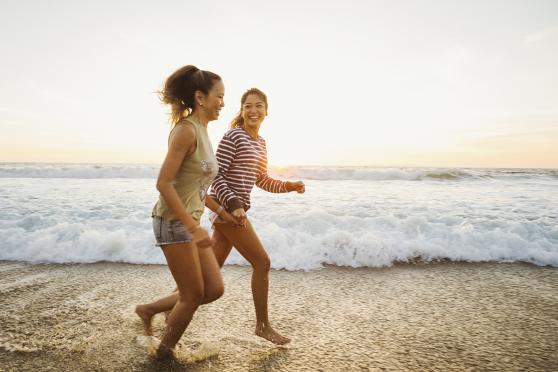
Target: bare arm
182 143
212 204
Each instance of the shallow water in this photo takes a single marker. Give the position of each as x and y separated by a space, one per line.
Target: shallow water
446 316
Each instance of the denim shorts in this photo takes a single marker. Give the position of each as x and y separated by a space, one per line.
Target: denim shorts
170 232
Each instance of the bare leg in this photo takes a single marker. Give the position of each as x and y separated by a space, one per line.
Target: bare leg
212 279
184 264
221 247
246 241
213 289
147 311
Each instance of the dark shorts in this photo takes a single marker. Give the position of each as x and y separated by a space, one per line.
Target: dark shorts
170 232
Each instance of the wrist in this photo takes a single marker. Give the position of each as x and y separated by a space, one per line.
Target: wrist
289 186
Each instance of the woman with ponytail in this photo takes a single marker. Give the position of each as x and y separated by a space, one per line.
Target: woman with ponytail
242 158
195 98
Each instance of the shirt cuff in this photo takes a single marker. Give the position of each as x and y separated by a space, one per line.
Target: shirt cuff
234 204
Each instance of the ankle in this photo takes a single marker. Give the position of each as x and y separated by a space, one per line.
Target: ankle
164 352
144 308
263 325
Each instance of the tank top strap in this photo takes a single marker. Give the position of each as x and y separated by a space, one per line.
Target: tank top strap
196 126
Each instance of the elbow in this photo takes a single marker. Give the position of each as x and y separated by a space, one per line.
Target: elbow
161 185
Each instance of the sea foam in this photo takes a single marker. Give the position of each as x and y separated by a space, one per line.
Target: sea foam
354 222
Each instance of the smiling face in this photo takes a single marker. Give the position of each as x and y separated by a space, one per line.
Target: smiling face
254 111
213 101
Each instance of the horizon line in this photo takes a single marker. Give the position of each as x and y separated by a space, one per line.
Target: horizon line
290 165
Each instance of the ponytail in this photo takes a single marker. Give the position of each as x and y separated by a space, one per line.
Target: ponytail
180 88
237 121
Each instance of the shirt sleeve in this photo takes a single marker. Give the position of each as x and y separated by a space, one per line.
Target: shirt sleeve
226 152
265 182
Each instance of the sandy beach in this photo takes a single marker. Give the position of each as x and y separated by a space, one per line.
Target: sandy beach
445 316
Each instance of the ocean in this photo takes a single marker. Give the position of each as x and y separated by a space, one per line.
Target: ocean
349 216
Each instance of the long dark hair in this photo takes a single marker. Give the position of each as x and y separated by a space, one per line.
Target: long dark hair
238 120
180 88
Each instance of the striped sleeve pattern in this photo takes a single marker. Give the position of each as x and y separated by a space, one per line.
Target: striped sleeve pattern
220 189
242 164
267 183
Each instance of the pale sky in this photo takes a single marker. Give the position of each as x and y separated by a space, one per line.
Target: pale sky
381 83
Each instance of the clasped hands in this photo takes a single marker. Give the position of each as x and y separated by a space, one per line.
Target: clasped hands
236 217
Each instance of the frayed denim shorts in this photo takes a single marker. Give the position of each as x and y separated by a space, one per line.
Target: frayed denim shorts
170 232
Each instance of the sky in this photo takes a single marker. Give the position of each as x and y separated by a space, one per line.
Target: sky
359 83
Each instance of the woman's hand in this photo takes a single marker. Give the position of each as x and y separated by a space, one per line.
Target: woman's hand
201 237
297 186
240 216
227 217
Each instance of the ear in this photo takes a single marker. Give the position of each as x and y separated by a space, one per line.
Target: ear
199 97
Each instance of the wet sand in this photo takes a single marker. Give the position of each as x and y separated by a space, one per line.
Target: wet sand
446 316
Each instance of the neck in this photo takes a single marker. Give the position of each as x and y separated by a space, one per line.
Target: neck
200 117
253 132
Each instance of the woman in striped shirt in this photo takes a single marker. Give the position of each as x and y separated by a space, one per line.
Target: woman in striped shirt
242 158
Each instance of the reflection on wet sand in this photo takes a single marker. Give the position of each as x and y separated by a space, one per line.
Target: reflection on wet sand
443 316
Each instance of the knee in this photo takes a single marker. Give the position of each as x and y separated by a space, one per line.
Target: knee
262 265
193 296
219 291
215 293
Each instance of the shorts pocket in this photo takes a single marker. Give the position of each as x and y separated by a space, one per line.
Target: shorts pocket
157 222
179 231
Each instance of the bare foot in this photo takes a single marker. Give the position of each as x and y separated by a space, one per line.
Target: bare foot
269 334
146 317
165 354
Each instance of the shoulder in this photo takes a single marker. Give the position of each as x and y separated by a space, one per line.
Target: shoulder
235 134
183 133
262 142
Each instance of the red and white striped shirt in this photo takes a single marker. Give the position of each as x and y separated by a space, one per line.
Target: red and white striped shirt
242 163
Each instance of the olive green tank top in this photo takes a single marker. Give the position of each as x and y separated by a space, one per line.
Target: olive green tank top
196 173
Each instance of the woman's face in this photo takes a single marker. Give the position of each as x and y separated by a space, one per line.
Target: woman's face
213 101
254 111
